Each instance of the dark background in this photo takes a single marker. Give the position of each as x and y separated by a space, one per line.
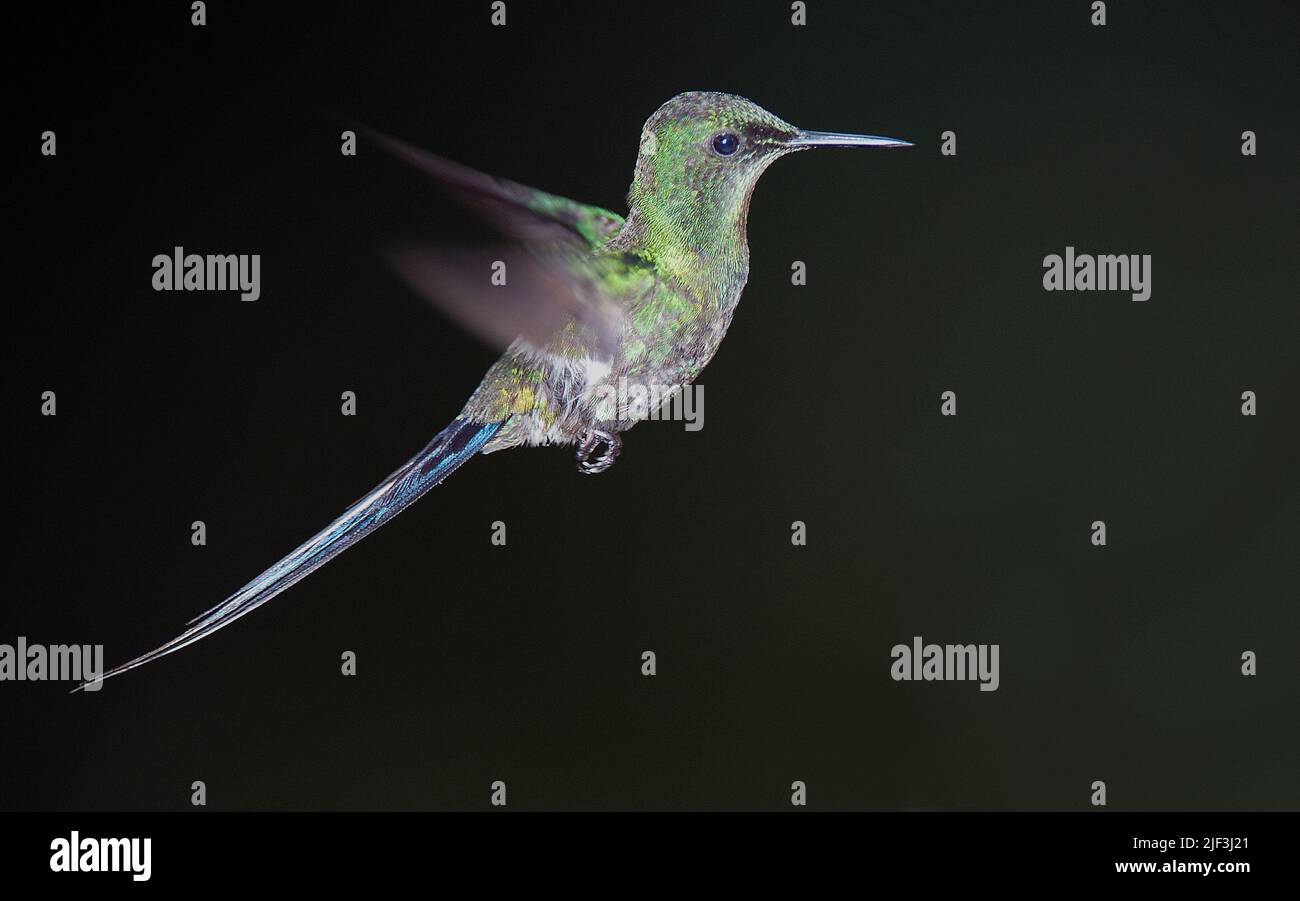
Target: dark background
479 663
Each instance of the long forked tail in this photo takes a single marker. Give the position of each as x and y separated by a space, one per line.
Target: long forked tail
448 450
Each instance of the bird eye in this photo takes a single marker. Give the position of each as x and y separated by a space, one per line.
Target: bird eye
726 144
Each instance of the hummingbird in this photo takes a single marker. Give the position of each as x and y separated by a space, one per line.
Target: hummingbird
585 298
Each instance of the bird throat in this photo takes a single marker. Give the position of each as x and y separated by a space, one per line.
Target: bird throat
691 239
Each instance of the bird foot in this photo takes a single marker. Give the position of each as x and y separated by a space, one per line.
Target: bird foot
590 465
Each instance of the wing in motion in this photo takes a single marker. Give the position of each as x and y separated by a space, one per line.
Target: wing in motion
548 276
518 212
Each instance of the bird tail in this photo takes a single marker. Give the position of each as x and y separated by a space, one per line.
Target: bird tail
443 455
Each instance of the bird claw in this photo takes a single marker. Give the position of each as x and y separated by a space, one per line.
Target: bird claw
589 466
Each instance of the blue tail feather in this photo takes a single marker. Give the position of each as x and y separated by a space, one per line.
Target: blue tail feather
443 455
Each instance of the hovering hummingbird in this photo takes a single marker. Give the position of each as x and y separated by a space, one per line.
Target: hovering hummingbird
587 298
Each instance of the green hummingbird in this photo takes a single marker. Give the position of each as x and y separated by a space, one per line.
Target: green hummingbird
582 299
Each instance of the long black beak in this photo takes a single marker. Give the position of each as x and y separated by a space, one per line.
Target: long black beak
833 139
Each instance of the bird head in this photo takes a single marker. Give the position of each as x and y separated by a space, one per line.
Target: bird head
701 154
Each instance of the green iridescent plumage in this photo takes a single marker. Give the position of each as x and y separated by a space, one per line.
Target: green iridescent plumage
669 276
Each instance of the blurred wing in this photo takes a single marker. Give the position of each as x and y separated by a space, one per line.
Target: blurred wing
519 212
502 293
546 280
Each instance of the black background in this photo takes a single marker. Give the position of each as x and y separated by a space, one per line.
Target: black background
522 663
